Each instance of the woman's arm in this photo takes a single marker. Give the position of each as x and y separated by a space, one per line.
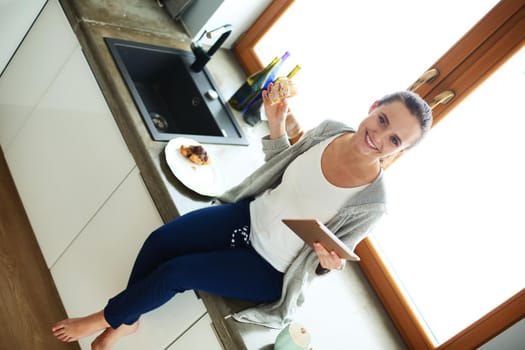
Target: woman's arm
277 140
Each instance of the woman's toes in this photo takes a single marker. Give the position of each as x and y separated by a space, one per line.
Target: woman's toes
73 329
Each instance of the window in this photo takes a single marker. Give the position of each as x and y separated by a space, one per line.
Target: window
466 226
463 67
349 58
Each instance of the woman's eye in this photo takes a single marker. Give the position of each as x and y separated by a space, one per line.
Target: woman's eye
382 120
395 141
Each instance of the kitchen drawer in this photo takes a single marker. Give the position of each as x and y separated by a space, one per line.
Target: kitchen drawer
200 336
36 63
67 158
97 264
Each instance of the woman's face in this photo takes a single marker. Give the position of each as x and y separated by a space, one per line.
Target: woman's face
388 129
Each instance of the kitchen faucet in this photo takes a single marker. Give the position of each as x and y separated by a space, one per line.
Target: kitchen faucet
202 57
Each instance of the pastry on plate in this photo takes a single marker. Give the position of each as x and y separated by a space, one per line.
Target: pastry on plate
195 153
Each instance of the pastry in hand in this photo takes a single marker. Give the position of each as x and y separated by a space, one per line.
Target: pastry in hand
281 89
196 154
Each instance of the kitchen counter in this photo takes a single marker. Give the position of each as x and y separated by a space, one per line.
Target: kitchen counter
145 22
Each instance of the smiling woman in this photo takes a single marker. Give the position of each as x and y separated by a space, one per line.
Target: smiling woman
201 250
374 58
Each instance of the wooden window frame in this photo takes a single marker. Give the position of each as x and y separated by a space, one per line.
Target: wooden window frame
480 52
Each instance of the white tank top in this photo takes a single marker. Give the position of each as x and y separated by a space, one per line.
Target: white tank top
304 193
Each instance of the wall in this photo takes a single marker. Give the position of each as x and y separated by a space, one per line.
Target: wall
207 15
511 339
195 17
16 17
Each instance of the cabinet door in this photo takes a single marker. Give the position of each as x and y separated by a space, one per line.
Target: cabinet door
200 336
32 69
68 157
97 265
15 20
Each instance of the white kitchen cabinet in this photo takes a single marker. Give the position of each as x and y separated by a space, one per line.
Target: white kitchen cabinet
97 265
200 336
59 138
16 17
68 157
83 194
33 68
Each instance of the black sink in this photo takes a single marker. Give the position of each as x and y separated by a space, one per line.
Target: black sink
172 99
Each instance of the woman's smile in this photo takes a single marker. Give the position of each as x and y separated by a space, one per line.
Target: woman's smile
370 142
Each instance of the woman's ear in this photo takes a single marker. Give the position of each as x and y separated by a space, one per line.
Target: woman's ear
373 106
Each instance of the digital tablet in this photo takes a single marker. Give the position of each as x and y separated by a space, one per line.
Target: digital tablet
312 230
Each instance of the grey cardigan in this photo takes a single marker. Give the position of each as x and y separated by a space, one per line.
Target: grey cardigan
352 222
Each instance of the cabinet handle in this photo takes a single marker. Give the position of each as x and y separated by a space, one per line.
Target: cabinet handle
427 77
442 98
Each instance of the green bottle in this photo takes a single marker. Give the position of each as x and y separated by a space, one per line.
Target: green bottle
253 84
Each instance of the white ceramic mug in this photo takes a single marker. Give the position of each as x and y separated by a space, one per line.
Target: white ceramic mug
292 337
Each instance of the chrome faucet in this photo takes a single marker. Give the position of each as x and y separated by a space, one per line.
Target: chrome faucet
202 57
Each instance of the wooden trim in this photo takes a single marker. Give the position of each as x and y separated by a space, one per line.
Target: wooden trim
489 326
392 297
244 48
472 40
407 322
480 63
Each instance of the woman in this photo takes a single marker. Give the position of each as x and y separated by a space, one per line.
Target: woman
241 249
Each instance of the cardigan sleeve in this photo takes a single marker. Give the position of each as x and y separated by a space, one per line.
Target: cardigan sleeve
273 147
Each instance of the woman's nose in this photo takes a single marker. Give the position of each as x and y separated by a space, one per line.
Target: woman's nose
381 136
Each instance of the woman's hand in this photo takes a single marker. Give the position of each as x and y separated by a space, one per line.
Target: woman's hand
276 114
328 260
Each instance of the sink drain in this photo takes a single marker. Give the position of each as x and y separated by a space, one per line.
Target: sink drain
159 121
195 101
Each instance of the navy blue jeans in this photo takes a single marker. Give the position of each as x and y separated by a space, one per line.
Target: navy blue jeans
209 250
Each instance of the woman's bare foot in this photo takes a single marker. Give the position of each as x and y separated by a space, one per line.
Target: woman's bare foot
109 337
73 329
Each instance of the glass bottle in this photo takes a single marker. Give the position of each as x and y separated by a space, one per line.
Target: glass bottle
273 75
252 110
251 86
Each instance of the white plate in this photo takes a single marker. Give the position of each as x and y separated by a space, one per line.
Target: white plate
203 179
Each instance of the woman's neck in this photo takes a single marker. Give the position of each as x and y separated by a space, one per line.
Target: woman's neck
343 166
352 158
